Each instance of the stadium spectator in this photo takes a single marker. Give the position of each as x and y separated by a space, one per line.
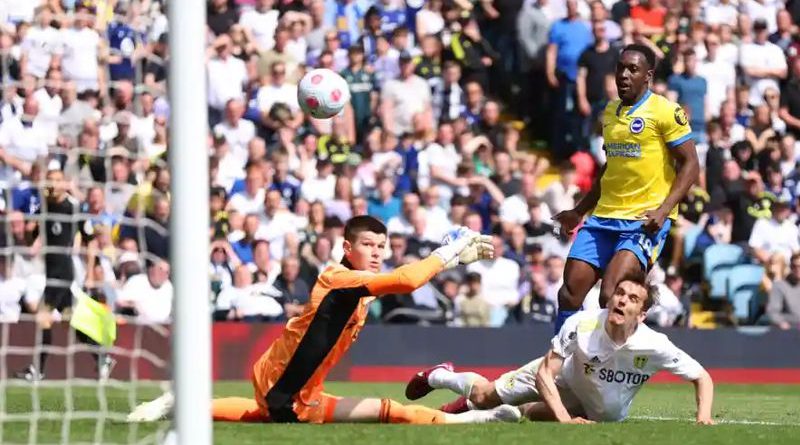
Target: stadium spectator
472 310
436 116
294 291
783 305
499 280
148 296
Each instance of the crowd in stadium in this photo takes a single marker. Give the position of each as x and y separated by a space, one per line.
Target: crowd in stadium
484 114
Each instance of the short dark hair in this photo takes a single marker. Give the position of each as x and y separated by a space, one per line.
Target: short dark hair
362 223
644 50
640 277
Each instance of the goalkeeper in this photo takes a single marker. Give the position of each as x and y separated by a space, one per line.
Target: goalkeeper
288 378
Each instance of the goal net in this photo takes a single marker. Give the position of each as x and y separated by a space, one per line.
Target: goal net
71 405
106 239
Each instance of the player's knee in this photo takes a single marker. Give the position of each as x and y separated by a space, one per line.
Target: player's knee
567 299
606 291
483 395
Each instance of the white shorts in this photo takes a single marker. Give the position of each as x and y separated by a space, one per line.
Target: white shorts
519 387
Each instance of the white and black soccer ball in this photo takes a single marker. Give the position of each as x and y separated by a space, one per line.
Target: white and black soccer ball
322 93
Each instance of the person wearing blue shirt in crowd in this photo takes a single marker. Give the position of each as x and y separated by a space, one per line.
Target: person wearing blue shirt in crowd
407 173
392 15
385 204
568 39
689 90
346 17
122 42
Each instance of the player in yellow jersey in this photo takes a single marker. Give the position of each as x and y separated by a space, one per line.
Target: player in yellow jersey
651 164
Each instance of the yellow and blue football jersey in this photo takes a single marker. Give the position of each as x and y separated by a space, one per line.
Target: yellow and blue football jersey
640 169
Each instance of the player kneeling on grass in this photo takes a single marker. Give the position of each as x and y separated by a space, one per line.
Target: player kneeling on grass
288 378
597 363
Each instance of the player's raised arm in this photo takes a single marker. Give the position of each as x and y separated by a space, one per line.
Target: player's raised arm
364 248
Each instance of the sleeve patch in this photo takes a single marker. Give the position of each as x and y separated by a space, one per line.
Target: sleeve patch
680 116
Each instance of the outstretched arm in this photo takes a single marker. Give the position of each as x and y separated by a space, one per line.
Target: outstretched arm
546 384
704 395
465 247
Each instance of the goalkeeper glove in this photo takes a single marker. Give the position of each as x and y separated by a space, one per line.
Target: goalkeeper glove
464 246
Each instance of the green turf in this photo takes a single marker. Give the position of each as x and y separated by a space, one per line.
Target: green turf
733 403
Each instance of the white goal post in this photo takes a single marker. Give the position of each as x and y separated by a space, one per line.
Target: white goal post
190 221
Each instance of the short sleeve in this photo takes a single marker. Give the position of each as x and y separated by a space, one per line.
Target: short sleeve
566 341
673 359
674 125
553 36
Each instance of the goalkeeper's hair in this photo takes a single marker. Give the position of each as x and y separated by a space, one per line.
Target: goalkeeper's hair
362 223
640 277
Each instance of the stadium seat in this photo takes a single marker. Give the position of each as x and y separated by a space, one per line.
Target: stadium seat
744 282
718 260
690 240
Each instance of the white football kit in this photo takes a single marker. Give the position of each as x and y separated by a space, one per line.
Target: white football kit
599 379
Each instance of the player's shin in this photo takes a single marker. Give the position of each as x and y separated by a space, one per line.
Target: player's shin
395 412
458 382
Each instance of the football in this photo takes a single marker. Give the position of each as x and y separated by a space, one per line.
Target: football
322 93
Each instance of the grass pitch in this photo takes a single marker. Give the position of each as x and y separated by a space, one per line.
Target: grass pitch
662 414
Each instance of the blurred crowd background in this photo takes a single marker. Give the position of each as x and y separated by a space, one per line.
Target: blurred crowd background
482 113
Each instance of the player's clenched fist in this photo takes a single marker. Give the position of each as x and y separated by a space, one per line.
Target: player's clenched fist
464 246
568 220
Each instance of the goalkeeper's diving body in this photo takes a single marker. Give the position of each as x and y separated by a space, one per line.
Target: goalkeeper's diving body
288 378
595 366
651 165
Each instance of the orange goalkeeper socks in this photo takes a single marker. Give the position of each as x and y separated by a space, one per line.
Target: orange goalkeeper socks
236 409
394 412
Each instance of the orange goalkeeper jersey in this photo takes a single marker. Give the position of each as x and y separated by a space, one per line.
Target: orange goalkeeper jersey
289 376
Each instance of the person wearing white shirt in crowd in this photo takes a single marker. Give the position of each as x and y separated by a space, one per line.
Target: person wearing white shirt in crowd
260 24
719 74
265 268
763 63
401 224
766 10
443 160
596 365
514 209
12 291
237 131
499 281
227 76
560 194
275 89
40 45
276 222
229 169
22 141
437 221
50 104
149 294
775 235
245 300
83 50
251 199
322 186
404 97
720 12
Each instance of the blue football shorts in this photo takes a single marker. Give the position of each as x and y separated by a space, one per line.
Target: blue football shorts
600 238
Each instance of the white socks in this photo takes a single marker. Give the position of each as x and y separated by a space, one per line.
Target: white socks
458 382
502 413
